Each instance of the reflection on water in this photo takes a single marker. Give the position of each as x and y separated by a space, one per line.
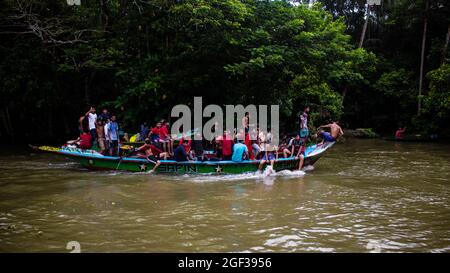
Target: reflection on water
364 195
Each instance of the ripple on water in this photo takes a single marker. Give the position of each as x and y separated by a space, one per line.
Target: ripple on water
373 197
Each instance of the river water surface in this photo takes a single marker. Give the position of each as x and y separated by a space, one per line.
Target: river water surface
362 196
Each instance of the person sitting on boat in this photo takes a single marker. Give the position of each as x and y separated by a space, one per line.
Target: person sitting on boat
301 153
256 149
154 135
85 141
261 143
248 143
284 147
227 146
335 132
302 158
296 145
400 132
218 148
197 147
180 154
240 151
268 152
143 131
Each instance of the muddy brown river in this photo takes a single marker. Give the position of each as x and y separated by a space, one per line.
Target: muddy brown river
362 196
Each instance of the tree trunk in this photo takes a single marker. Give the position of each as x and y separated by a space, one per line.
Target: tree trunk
122 7
105 13
86 91
422 57
363 34
9 128
344 93
444 50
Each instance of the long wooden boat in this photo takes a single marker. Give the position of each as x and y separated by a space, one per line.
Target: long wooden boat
93 160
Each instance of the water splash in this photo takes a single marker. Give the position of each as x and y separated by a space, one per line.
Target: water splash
267 173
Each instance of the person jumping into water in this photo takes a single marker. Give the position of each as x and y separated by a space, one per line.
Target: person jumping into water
151 153
335 132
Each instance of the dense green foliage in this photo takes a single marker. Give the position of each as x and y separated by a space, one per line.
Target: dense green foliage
139 58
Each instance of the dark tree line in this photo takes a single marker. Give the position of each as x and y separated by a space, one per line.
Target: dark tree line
139 58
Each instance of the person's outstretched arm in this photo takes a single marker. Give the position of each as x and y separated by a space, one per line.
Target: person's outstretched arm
87 113
324 126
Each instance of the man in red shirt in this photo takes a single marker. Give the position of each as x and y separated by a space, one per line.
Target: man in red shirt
165 137
227 146
155 132
85 141
400 132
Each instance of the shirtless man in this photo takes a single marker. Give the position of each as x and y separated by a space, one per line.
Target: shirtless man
335 129
245 122
151 153
101 136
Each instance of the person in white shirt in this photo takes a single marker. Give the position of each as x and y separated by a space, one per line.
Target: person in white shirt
107 137
92 118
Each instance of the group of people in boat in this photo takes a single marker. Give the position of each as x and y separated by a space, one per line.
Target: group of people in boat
249 143
101 130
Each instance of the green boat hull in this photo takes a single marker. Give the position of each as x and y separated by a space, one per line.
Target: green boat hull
186 167
92 160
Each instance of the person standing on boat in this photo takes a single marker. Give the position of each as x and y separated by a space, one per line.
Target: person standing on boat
101 136
304 131
107 138
92 118
104 115
113 132
165 136
335 132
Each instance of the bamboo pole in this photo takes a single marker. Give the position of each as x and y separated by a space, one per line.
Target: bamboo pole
422 57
